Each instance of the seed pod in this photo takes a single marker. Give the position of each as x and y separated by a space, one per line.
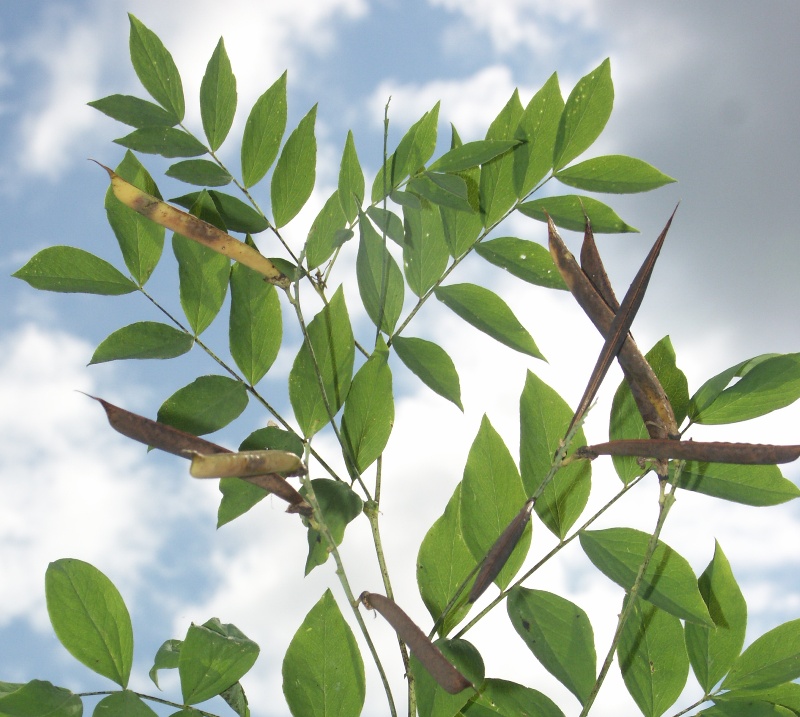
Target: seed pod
194 228
245 463
499 553
429 656
713 452
593 267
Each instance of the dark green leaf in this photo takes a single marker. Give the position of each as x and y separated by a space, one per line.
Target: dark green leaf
668 582
432 700
369 410
487 312
140 240
166 141
746 708
712 651
332 341
560 636
537 127
38 698
351 180
786 695
614 174
323 237
155 68
134 111
166 659
143 340
425 252
263 132
236 699
497 194
748 484
774 658
472 154
122 704
626 421
491 495
431 364
567 212
500 698
205 405
585 114
256 325
380 282
213 657
387 223
295 172
528 260
339 505
764 387
443 190
323 673
90 619
652 658
218 97
443 563
202 172
236 215
69 270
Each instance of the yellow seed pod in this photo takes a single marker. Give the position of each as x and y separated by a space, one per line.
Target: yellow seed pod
245 463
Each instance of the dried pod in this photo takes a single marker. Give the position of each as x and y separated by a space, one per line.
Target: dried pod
245 463
593 267
429 656
713 452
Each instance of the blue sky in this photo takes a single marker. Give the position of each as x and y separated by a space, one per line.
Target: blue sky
708 96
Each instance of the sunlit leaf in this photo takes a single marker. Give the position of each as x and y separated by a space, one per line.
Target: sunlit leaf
202 172
751 485
351 180
237 216
614 174
166 141
380 282
295 172
38 698
774 658
567 212
425 252
431 364
501 698
134 111
528 260
125 703
218 97
143 340
205 405
432 699
497 193
339 505
472 154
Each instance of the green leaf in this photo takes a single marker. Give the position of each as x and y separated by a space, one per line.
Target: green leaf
491 496
748 484
764 387
626 421
369 410
544 418
143 340
71 271
614 174
205 405
122 704
415 148
508 699
339 505
444 561
472 154
559 635
497 194
460 229
323 237
711 389
334 349
351 180
668 582
372 261
537 128
166 659
166 141
38 698
712 651
323 673
236 699
387 223
140 240
202 172
213 657
89 618
218 97
134 111
786 695
652 658
567 212
155 68
256 325
746 708
528 260
431 364
443 190
293 179
432 700
263 132
425 252
487 312
238 496
774 658
203 272
237 216
585 114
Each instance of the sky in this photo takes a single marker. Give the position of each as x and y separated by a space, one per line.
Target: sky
709 96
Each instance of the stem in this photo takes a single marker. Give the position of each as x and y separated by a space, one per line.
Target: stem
150 698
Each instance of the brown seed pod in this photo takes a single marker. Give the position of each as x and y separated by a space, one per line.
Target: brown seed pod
245 463
713 452
429 656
